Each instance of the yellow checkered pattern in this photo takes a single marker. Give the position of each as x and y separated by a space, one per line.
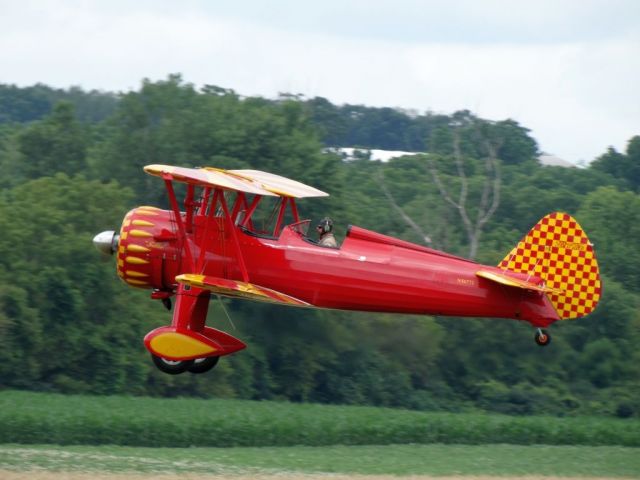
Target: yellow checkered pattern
558 251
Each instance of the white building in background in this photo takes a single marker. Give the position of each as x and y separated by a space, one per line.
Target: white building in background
553 161
351 153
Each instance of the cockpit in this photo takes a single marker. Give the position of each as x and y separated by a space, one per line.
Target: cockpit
265 217
255 215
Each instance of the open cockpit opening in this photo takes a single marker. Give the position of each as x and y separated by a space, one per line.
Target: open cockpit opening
263 216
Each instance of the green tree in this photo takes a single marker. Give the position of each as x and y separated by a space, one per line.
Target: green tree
68 324
612 220
171 122
623 166
10 159
63 298
56 144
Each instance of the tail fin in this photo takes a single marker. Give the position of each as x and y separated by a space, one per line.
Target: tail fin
557 250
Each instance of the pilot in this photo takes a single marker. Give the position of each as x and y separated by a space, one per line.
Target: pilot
325 233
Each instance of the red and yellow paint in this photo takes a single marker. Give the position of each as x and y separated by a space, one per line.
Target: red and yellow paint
136 246
557 250
235 288
169 343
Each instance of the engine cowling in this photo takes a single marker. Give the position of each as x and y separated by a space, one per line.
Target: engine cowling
149 251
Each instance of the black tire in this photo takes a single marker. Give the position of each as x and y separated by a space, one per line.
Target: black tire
202 365
542 338
172 367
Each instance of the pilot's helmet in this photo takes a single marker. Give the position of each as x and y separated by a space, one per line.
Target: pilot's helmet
325 225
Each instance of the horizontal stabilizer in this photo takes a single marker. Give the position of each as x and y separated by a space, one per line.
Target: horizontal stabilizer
237 289
515 282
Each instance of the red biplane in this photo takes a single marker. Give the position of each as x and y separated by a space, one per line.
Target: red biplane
220 245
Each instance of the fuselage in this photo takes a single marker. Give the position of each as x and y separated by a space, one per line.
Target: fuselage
240 235
368 272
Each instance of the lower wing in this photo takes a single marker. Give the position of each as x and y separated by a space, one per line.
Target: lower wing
237 289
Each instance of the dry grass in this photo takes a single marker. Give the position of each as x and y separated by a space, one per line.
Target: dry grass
43 475
334 463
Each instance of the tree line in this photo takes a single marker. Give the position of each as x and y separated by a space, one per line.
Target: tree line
72 166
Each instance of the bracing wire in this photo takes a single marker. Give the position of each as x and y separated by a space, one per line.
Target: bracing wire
224 309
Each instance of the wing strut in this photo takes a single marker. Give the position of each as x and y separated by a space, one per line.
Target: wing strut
294 209
176 213
241 203
283 208
207 227
252 208
189 204
236 242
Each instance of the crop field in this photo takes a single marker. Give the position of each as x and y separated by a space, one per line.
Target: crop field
47 436
37 418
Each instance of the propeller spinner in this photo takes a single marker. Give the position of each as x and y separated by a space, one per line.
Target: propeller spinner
106 242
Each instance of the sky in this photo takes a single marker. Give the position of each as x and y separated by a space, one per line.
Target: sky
568 70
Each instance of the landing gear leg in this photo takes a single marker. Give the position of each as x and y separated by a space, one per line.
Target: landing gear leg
188 344
542 337
167 303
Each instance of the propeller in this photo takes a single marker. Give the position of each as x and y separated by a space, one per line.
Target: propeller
106 242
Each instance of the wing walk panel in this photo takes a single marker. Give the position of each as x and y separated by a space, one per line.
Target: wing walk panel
237 289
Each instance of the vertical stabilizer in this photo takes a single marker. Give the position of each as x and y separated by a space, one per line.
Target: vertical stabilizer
557 250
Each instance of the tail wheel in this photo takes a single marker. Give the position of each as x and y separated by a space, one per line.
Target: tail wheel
202 365
172 367
542 337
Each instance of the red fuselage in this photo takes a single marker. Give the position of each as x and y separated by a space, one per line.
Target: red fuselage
369 272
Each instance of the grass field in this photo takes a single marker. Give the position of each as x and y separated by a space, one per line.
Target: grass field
431 460
94 438
38 418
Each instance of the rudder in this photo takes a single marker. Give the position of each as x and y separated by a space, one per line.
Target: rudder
557 250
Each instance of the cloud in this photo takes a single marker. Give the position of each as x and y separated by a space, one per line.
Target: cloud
568 70
578 98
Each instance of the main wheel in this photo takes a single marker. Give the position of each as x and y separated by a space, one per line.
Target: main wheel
172 367
542 337
202 365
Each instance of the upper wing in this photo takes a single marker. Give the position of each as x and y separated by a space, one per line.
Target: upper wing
280 185
514 282
235 288
208 178
248 181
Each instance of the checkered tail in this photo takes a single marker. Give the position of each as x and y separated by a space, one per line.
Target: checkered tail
557 250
